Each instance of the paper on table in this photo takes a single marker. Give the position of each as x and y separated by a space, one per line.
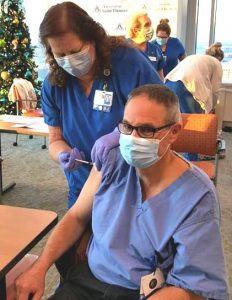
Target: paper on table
37 124
16 119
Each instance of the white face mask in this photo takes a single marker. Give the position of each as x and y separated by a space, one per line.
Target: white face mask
77 64
140 152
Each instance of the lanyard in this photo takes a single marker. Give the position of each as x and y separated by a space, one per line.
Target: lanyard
106 74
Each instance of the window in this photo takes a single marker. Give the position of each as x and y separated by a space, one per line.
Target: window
203 26
217 30
223 35
33 21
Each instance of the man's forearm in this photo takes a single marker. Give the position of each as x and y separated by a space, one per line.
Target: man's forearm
174 293
67 232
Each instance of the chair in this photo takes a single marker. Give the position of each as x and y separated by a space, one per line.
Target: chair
23 94
31 111
199 136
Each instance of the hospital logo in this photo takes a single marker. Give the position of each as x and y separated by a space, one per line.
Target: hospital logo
97 9
119 27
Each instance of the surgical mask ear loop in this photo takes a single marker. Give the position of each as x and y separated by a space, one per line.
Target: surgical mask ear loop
168 147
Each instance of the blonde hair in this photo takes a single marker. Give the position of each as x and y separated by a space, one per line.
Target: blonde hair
215 51
134 22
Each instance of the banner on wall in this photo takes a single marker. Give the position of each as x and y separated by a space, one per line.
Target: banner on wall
114 14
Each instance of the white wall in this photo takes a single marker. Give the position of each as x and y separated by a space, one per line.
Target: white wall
112 14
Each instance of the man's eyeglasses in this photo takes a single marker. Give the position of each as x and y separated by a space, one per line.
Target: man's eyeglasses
142 131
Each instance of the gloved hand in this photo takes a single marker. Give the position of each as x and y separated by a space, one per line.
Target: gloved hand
67 159
102 147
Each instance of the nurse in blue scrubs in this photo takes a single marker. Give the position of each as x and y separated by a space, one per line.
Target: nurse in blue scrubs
171 47
84 94
140 32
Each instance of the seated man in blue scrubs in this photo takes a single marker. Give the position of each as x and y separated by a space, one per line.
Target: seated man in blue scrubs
151 210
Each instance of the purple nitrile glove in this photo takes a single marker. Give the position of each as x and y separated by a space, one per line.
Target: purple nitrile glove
67 159
102 147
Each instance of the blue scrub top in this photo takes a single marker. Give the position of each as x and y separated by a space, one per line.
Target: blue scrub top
81 125
176 230
186 100
155 55
174 50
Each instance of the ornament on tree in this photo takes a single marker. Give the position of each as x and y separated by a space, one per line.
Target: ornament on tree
25 41
19 34
5 75
16 21
15 43
28 74
3 92
2 43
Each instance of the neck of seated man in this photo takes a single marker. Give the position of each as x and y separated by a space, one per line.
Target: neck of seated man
161 174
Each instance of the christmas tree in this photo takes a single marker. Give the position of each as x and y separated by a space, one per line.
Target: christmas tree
16 52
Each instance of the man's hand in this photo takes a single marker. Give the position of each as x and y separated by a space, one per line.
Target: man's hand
68 161
102 147
31 282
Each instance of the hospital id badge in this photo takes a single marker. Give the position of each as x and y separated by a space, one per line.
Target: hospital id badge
103 100
151 283
152 58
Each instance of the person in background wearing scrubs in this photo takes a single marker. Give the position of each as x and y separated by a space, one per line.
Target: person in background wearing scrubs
196 81
140 32
84 94
171 47
155 219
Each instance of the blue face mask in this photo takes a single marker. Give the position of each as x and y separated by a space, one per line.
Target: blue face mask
139 152
161 41
77 64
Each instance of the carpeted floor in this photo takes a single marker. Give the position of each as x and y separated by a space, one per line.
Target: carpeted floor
40 183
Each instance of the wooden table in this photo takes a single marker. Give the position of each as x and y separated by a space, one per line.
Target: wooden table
6 127
20 230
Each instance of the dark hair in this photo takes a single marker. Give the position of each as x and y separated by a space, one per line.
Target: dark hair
215 51
162 95
164 26
69 17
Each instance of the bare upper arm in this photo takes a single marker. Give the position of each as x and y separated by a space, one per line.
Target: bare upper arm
82 209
